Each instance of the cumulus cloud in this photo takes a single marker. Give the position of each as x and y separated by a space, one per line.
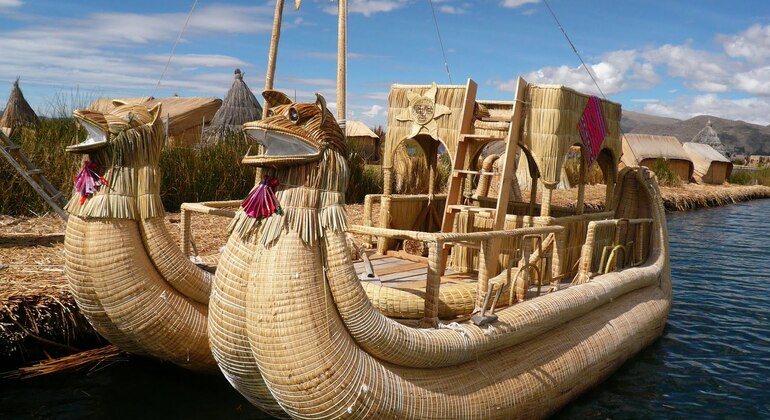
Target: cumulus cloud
752 44
451 10
753 110
97 51
618 71
375 111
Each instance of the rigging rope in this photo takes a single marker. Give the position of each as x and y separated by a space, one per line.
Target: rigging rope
573 48
178 38
441 43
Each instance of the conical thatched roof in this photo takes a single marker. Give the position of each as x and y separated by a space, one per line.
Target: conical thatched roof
240 106
709 136
17 112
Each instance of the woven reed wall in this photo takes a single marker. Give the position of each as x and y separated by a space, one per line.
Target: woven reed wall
550 127
448 125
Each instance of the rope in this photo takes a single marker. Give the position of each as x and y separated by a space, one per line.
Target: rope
440 42
573 48
178 38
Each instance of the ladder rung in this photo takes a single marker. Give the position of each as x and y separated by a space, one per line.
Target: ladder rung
482 211
35 171
496 119
459 172
480 138
12 147
57 196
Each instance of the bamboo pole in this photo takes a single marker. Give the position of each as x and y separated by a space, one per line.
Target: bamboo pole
342 29
273 53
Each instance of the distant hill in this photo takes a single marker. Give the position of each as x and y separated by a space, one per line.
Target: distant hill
743 137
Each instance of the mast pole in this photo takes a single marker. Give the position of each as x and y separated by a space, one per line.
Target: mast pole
275 37
342 30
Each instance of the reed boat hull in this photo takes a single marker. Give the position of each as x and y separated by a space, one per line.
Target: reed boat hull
127 300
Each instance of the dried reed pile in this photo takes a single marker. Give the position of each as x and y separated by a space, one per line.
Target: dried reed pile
692 196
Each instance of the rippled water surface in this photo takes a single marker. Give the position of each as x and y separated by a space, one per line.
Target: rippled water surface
713 360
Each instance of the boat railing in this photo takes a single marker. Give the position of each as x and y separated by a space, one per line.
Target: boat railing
214 208
436 242
621 243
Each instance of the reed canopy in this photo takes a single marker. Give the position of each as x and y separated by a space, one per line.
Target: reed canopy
711 167
709 136
239 107
645 149
18 112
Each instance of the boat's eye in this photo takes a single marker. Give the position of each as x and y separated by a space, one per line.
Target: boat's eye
293 115
270 113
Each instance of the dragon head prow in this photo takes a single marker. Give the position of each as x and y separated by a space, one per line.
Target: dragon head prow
293 133
103 127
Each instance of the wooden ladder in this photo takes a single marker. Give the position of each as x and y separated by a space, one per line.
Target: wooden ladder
459 172
32 175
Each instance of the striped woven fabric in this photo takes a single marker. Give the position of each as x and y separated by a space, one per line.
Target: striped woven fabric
592 129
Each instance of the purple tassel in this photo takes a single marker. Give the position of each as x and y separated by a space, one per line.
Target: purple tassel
87 181
262 202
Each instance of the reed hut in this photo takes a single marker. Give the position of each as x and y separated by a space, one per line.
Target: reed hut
758 160
645 149
240 106
17 111
105 105
363 140
711 167
709 136
184 118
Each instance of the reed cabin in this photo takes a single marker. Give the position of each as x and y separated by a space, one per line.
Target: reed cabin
516 244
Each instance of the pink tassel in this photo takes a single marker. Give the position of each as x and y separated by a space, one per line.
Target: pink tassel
87 181
262 202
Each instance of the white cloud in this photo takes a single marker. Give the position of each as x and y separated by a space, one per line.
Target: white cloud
755 81
512 4
699 70
10 3
375 111
752 44
646 101
369 7
753 110
451 10
618 71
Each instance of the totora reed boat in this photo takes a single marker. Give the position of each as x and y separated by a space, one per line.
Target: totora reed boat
128 276
295 330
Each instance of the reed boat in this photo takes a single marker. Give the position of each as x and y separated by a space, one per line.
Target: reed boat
295 330
127 274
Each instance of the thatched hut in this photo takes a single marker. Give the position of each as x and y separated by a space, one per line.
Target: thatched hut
17 111
645 149
184 117
105 105
709 136
711 167
363 140
758 160
240 106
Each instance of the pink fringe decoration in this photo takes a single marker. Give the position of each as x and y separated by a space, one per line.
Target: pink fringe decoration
262 202
88 182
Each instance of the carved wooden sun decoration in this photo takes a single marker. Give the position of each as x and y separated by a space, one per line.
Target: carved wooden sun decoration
423 112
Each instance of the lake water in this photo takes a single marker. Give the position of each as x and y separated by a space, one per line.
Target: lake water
713 360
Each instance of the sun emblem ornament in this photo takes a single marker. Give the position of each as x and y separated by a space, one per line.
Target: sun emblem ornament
423 111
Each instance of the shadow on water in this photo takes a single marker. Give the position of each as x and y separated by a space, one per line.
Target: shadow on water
713 360
135 389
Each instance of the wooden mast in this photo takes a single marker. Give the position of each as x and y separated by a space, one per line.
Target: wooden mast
274 38
342 32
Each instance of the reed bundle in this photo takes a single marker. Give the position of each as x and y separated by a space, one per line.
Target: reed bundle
93 359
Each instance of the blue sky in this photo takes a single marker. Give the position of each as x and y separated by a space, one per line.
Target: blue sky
671 58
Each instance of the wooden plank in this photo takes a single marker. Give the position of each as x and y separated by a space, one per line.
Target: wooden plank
400 268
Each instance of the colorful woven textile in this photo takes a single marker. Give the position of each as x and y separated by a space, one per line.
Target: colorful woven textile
592 129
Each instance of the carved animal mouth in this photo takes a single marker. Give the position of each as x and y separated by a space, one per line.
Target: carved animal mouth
96 135
280 148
